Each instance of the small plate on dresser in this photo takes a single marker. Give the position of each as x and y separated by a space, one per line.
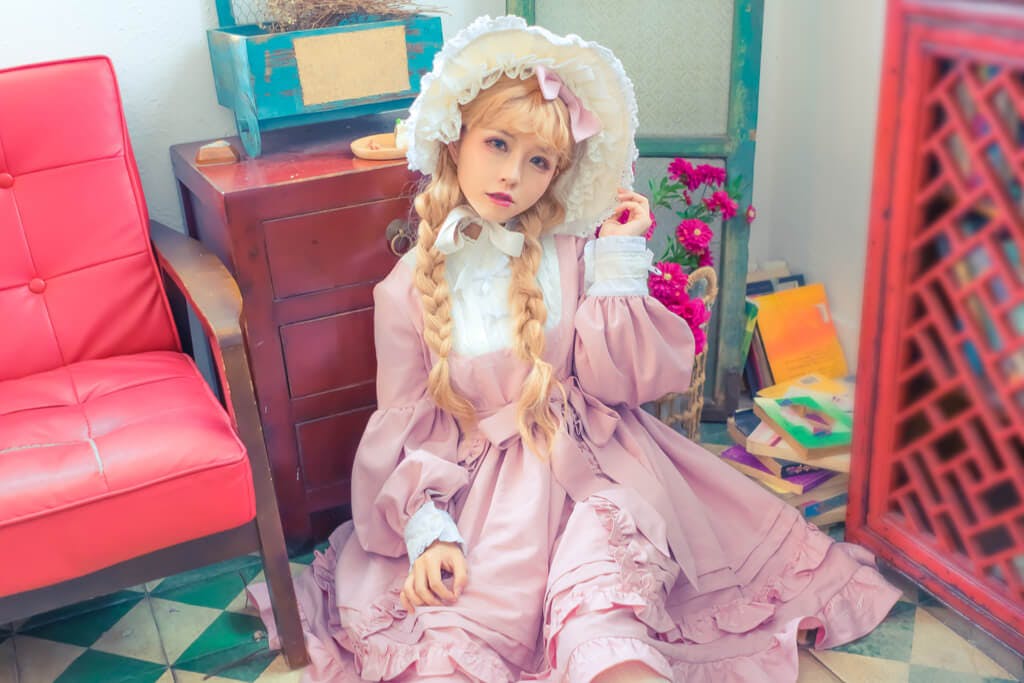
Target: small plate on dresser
379 146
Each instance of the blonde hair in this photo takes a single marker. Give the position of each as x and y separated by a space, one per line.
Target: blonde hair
519 107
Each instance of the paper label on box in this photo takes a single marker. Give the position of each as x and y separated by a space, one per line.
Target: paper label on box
352 65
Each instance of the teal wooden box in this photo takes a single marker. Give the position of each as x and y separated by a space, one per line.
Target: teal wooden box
276 80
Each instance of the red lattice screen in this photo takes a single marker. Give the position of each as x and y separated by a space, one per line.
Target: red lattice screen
940 413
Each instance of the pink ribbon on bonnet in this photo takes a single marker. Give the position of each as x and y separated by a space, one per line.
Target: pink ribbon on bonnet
582 122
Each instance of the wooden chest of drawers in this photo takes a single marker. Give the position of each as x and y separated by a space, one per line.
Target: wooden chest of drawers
302 228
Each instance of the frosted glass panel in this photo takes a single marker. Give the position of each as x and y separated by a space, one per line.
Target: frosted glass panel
678 54
653 168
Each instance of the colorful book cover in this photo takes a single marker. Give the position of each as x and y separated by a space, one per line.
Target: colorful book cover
827 519
799 483
818 507
759 372
798 335
836 486
768 445
812 425
757 288
750 309
740 424
841 388
764 440
784 468
745 419
756 371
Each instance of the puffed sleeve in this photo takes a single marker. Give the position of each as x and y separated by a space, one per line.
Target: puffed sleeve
407 456
629 348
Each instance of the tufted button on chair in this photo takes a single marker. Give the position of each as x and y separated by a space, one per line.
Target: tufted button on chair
118 465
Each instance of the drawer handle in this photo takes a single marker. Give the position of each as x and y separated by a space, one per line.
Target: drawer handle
400 236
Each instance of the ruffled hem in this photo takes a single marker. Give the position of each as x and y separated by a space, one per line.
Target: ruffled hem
855 610
852 611
432 659
779 662
374 656
594 657
761 598
380 658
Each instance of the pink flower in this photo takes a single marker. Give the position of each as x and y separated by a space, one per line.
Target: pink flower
712 175
695 312
700 339
670 285
705 258
650 231
688 198
751 213
720 200
683 171
694 234
680 169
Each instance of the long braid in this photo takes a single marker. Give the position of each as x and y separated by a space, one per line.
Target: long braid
526 303
429 278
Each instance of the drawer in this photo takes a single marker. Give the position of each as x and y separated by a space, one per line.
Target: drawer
327 249
327 447
329 353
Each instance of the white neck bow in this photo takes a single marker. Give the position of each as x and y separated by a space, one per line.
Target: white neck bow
450 238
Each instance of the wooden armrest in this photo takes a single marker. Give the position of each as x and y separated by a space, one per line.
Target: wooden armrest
204 282
214 296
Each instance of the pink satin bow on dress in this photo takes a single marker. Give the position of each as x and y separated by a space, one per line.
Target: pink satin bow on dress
582 122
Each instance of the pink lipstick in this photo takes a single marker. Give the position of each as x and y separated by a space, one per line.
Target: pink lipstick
500 198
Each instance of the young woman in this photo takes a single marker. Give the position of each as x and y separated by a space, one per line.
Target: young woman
516 514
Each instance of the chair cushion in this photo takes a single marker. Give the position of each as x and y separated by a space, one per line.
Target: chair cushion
76 269
105 460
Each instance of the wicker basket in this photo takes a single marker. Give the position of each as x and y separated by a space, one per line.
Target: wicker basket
684 409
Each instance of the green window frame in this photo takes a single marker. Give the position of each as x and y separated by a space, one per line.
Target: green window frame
736 149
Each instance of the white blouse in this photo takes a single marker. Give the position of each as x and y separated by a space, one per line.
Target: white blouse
479 274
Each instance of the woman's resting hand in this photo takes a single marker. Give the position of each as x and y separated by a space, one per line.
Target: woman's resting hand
425 584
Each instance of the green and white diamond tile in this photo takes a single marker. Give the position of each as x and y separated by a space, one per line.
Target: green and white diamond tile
214 586
912 646
82 623
233 646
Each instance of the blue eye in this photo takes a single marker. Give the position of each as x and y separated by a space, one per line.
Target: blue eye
541 162
498 144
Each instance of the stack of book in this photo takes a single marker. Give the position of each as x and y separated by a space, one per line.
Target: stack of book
795 441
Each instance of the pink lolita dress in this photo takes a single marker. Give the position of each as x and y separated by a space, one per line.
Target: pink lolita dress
632 543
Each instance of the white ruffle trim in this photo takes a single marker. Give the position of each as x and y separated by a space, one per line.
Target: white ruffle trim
617 266
476 58
429 524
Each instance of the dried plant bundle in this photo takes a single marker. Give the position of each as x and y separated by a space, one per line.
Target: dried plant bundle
301 15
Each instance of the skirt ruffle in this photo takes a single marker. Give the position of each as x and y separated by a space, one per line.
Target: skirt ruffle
797 579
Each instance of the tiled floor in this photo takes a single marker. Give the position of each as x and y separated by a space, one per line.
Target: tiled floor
197 627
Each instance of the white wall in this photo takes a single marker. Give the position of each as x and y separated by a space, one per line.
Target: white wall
820 69
159 52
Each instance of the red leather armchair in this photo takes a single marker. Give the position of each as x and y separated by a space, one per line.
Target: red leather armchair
117 463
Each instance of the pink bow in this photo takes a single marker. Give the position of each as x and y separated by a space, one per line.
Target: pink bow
582 122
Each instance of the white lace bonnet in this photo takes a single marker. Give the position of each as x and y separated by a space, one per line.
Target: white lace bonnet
477 57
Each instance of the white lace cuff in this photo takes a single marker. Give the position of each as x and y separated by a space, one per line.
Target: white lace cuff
617 265
429 524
